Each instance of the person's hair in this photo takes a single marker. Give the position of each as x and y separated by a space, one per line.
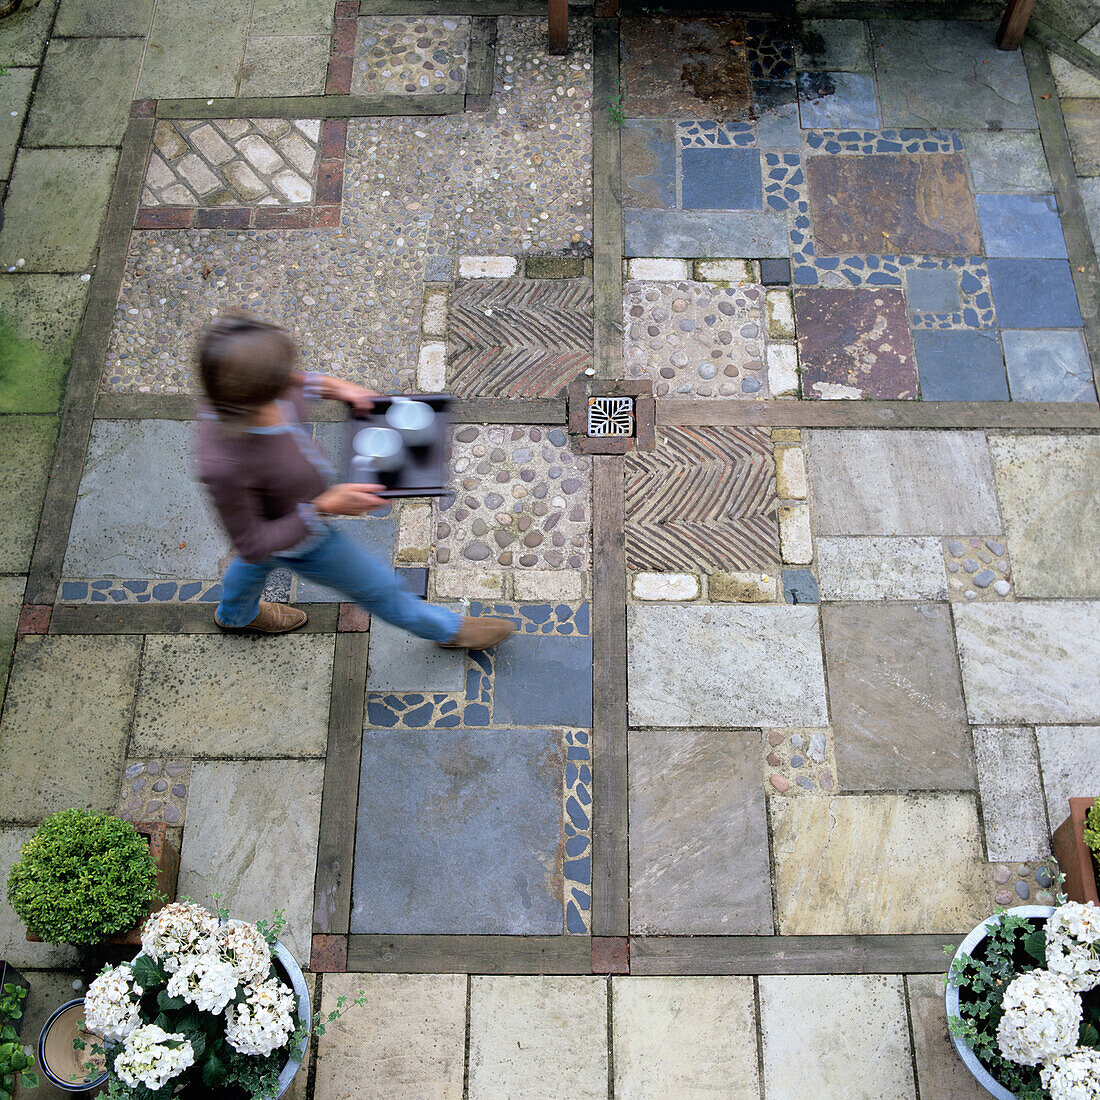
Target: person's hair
244 363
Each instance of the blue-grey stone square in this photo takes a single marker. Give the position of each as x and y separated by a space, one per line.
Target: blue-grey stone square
648 159
960 365
401 662
1034 294
1021 225
543 680
721 179
800 586
829 101
1052 365
932 290
374 533
459 832
777 124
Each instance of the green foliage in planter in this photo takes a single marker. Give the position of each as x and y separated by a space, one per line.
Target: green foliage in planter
82 877
1092 829
15 1064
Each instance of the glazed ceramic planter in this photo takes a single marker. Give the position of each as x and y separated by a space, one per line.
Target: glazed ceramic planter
981 1074
63 1066
291 973
1073 854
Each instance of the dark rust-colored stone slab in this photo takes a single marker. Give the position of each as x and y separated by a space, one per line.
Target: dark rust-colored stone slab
610 955
353 619
34 618
858 339
329 954
689 68
892 204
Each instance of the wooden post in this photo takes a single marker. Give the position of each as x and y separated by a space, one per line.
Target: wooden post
1011 31
559 26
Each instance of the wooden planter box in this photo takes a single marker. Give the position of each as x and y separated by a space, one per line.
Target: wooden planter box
1073 855
8 973
167 858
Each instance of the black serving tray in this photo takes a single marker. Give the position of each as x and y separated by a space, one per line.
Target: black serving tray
425 471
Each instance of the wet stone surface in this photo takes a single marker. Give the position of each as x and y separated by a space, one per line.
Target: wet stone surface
154 790
977 569
397 56
522 500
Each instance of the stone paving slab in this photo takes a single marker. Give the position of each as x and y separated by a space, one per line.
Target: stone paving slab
1049 489
685 1037
829 45
878 864
538 1038
399 661
84 687
698 834
898 714
881 569
17 88
292 17
28 441
11 603
544 680
1031 662
251 836
104 18
1051 365
1013 813
727 667
1070 759
408 1040
940 1070
23 36
835 1035
278 65
901 483
206 695
1007 161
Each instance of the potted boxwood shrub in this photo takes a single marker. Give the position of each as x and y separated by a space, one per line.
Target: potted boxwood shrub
85 877
1077 848
16 1066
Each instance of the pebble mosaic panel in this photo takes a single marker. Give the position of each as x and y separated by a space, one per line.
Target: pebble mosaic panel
154 790
403 56
977 569
800 761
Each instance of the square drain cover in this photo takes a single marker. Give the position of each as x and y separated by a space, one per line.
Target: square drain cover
611 416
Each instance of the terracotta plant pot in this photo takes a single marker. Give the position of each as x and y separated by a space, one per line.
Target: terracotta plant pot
1073 855
60 1062
167 858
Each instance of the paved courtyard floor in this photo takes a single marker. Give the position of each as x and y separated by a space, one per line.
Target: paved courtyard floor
805 668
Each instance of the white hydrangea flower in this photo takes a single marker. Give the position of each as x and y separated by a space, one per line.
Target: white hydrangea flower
146 1060
1073 1076
264 1021
177 931
206 981
1073 944
111 1005
1042 1016
243 946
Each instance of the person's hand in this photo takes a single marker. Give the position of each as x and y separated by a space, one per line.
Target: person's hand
358 397
349 500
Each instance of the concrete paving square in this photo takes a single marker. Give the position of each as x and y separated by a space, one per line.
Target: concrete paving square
54 208
1013 813
897 710
1007 160
174 534
295 17
1049 489
684 1037
940 1070
28 443
878 864
285 65
84 688
208 695
835 1035
1032 662
1048 365
23 36
400 661
17 87
1021 225
11 603
251 836
408 1041
831 100
1070 759
698 834
63 113
460 832
964 365
562 1054
105 18
881 569
1034 294
543 680
726 667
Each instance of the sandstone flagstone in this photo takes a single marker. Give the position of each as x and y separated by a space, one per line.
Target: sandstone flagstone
881 569
18 84
11 601
1032 662
878 864
28 443
729 666
940 1070
1012 794
289 65
684 1037
1070 758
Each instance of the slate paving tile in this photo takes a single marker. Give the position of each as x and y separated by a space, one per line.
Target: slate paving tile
836 99
543 680
83 686
676 1036
1021 225
124 18
13 933
698 834
1034 294
208 695
251 836
940 1070
901 483
965 365
374 533
735 666
828 45
1030 662
685 68
887 203
17 87
932 290
1082 117
28 442
1051 365
648 163
835 1035
1013 812
425 797
1049 488
855 343
1007 161
878 864
1070 760
400 661
777 122
935 73
693 233
408 1041
897 712
721 179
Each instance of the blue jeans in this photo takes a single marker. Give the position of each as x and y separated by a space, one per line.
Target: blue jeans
337 562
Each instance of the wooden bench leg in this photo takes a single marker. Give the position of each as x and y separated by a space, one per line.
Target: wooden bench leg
1014 24
559 26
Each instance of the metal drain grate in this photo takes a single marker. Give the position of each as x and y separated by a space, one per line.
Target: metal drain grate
610 416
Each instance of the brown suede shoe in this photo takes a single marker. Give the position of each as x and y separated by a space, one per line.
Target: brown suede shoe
481 633
274 618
